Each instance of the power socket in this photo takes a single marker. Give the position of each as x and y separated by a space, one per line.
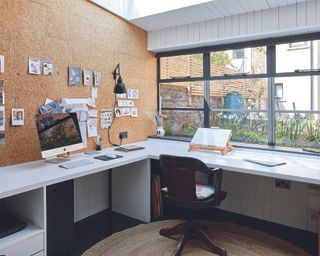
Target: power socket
123 135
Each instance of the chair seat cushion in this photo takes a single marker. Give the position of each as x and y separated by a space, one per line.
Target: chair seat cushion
202 191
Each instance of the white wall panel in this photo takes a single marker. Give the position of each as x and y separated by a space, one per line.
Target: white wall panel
297 18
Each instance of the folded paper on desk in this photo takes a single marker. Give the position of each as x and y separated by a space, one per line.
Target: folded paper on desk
265 162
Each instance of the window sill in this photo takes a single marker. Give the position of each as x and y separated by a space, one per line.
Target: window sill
245 145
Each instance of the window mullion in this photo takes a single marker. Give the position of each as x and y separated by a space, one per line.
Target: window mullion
206 75
271 70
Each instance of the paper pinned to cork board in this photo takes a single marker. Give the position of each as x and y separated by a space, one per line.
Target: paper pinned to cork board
211 139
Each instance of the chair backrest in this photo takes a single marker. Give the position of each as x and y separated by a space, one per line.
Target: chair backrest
179 176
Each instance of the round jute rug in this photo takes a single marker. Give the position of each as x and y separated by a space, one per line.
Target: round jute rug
144 240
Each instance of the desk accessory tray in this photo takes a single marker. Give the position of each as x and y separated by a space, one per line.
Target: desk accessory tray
129 148
106 158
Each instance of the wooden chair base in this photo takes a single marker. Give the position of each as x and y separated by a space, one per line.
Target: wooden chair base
191 230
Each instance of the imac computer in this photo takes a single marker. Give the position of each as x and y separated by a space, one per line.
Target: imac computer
58 134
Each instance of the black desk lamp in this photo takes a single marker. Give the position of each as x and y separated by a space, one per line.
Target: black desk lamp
119 88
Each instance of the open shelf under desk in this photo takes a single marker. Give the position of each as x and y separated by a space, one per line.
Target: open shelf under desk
28 232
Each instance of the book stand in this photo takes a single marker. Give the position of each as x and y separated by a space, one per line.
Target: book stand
211 140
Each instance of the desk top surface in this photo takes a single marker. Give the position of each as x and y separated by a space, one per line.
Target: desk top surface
24 177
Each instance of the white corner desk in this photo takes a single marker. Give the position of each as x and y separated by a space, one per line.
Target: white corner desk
23 187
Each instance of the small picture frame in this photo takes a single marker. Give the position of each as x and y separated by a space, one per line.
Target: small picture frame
17 117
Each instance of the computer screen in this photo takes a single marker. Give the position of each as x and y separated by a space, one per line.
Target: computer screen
58 133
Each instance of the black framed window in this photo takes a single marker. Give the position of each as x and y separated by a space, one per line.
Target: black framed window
265 91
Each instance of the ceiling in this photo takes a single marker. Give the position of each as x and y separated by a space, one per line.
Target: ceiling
206 11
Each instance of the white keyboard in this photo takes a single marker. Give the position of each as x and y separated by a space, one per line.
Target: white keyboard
76 163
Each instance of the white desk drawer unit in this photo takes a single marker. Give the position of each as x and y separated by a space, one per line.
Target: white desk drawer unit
30 247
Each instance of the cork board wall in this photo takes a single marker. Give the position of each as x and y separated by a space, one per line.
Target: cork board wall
70 33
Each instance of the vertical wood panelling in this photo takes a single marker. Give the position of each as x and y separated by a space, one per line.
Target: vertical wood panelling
258 197
284 20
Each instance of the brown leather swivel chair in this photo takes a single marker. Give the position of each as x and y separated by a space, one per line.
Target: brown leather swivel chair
183 192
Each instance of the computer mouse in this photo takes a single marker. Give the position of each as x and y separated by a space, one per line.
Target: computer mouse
112 156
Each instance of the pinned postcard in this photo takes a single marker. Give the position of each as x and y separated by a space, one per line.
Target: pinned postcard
92 125
1 92
83 131
134 112
97 78
87 77
34 66
93 113
83 116
17 117
125 112
94 93
52 107
1 64
74 76
117 112
125 103
47 68
133 94
105 118
121 96
2 118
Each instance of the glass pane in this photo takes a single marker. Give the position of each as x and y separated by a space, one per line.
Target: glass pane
296 56
182 123
182 95
249 94
248 61
181 66
298 130
247 127
297 93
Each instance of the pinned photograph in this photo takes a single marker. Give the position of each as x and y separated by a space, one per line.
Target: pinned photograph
105 118
47 68
121 96
125 103
2 119
1 64
17 116
134 112
133 94
125 112
34 66
87 77
1 92
1 137
97 78
74 76
117 112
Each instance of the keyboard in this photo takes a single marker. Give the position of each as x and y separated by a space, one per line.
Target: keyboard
76 163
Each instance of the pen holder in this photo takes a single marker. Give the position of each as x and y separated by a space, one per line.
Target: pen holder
98 147
160 131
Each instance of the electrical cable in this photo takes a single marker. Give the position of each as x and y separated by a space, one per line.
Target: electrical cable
114 106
